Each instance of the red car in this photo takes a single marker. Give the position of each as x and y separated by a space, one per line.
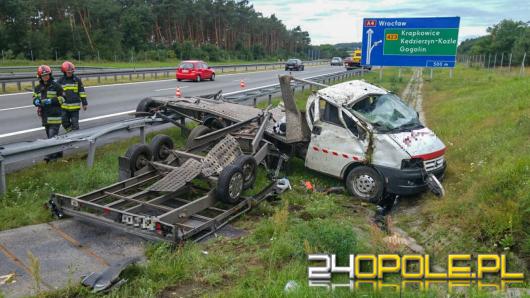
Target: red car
195 70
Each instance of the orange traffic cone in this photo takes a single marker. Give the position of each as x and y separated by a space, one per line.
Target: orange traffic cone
242 84
177 93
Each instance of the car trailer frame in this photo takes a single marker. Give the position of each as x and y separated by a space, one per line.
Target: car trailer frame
185 195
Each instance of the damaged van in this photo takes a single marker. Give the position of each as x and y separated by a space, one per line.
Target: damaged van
373 140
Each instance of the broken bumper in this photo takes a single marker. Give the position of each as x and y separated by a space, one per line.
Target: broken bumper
409 181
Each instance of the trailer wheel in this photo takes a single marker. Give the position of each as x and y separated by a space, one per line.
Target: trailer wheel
365 183
146 105
139 156
160 146
230 184
249 167
196 132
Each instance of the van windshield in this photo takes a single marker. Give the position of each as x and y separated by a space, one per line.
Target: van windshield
387 113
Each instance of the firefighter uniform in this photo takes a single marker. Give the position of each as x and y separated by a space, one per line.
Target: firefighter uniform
74 97
48 97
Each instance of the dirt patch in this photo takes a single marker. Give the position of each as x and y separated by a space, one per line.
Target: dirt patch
413 93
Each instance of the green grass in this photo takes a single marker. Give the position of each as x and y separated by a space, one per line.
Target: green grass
484 119
282 232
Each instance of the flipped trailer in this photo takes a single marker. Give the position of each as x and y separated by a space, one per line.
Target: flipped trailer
174 195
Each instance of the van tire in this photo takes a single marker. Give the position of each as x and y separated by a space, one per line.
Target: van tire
365 183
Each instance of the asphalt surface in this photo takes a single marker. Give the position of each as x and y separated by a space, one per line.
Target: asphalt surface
109 103
67 250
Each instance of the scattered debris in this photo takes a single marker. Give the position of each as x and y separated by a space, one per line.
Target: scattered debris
283 184
309 186
8 278
335 189
109 277
291 286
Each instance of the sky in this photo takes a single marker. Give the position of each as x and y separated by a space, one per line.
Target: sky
336 21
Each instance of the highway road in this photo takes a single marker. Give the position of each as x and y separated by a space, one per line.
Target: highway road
109 103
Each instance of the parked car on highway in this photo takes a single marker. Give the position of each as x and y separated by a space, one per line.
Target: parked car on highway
336 61
294 64
195 70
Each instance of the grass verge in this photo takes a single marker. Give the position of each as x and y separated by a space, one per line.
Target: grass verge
484 119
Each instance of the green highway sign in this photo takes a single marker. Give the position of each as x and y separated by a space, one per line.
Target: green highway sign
421 42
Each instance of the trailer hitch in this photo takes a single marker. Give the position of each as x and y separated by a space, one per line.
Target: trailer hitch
56 211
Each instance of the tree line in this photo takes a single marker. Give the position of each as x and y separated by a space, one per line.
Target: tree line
152 29
506 37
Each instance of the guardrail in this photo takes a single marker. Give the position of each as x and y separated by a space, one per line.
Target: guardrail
24 151
253 95
18 79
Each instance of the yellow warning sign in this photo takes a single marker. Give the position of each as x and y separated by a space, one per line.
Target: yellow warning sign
391 36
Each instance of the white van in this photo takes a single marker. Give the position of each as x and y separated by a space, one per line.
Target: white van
373 140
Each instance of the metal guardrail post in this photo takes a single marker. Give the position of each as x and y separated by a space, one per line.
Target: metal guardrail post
142 134
183 123
4 87
18 86
270 99
91 153
3 188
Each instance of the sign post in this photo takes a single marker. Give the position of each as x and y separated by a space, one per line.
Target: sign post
419 42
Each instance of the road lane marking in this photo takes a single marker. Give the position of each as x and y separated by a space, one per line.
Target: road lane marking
17 108
172 88
15 133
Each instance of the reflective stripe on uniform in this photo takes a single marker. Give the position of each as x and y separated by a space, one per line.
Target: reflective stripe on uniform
71 106
53 120
51 93
72 87
82 94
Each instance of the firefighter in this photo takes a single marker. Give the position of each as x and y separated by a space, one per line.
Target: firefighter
48 98
74 96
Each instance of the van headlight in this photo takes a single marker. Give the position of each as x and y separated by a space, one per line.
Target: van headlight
413 163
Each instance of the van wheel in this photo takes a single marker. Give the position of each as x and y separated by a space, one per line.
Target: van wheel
139 156
198 78
365 183
212 78
230 184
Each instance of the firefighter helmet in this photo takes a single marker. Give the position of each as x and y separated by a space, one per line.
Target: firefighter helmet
44 70
67 67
